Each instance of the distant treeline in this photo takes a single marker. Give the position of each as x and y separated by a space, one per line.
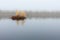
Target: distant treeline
30 14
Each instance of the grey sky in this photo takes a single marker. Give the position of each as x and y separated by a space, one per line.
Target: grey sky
30 4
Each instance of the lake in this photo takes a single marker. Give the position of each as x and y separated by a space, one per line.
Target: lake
30 29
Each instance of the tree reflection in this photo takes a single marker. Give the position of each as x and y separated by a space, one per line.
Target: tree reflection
20 21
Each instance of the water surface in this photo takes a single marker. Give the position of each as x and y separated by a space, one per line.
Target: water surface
30 29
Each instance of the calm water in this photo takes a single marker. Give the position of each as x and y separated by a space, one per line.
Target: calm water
30 29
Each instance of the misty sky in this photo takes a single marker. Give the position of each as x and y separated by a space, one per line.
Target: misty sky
30 5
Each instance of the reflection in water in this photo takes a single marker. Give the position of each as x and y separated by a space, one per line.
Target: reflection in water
17 22
34 29
20 21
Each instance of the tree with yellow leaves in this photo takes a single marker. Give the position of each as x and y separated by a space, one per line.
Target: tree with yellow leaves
23 14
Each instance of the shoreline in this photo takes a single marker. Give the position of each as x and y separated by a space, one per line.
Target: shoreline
32 15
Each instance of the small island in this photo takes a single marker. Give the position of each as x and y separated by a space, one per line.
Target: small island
19 16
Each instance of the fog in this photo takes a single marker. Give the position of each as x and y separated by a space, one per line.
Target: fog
31 14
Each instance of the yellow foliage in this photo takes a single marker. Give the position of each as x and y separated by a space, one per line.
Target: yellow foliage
17 13
22 13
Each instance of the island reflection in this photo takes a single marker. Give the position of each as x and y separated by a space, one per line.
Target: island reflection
20 21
